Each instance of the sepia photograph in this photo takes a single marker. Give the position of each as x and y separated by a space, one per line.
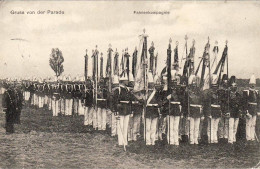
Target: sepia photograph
129 84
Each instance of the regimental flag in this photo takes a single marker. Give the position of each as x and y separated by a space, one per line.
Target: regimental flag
140 81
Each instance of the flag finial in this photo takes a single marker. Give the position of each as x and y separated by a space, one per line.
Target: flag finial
101 54
86 51
170 40
208 38
109 45
152 44
226 42
177 43
144 30
193 42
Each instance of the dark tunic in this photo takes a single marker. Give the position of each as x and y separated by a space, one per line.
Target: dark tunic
195 103
153 106
8 104
251 101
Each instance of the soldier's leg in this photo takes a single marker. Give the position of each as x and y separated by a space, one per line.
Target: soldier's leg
192 130
130 128
236 120
216 130
103 119
168 128
209 129
196 130
126 124
94 115
231 130
120 125
86 116
172 132
248 128
113 125
90 116
99 118
221 127
148 130
252 130
176 122
153 130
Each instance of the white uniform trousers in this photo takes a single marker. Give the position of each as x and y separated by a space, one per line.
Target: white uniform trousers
68 107
136 125
75 106
113 124
108 117
62 106
223 127
41 101
49 103
86 114
212 130
173 129
45 100
194 130
81 107
55 107
250 128
232 129
95 124
151 125
101 119
122 129
162 127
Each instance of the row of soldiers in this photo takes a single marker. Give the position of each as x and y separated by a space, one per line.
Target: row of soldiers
178 115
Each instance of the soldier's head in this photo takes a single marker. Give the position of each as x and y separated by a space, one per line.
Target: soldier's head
157 82
115 81
131 80
193 82
233 87
252 81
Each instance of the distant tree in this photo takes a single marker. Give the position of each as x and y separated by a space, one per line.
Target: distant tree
56 61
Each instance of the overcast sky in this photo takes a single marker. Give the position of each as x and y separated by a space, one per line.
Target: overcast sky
88 23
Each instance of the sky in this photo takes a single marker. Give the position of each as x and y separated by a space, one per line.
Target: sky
86 24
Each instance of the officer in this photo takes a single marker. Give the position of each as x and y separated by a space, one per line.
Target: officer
195 109
251 105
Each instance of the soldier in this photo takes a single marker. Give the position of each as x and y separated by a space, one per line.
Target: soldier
113 97
153 106
235 107
18 102
224 121
214 113
251 105
9 108
124 109
174 110
55 99
195 109
102 104
76 93
88 100
68 98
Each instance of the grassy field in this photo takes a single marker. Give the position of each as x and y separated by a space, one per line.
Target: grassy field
44 141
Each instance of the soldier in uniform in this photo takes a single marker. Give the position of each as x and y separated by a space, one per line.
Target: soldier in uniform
235 107
251 105
174 113
195 109
88 100
9 107
68 98
122 95
55 99
114 108
153 106
215 112
18 102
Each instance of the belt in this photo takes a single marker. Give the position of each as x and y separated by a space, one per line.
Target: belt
214 105
135 102
175 102
195 105
124 101
152 104
102 99
252 103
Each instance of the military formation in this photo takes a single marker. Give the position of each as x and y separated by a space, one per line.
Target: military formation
134 102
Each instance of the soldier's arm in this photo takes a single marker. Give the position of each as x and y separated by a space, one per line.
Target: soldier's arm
258 103
245 102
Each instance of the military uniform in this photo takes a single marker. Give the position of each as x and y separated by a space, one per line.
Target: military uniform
88 100
18 104
251 99
9 107
55 100
68 99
